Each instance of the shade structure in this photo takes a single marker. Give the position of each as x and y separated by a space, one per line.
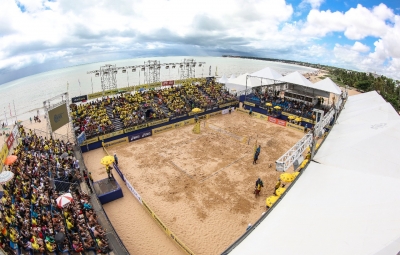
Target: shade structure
291 117
10 160
268 104
271 200
107 160
277 107
64 200
280 191
196 110
6 176
298 119
287 177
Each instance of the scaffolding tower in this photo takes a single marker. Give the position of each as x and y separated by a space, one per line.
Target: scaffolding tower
187 68
152 71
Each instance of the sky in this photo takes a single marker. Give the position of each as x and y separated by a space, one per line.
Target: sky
42 35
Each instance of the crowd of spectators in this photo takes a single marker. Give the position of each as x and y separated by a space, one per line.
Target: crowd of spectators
143 106
31 220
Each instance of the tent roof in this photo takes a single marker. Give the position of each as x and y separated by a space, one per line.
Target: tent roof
346 202
297 78
223 79
232 77
328 85
268 73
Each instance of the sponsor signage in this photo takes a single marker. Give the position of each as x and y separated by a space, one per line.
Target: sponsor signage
297 127
102 137
134 192
249 104
277 121
15 132
178 117
89 141
168 83
156 122
138 136
79 99
10 141
58 117
115 142
119 171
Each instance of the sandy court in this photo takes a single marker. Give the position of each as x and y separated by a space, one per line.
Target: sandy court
201 186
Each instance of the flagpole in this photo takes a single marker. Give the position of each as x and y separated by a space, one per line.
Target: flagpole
15 112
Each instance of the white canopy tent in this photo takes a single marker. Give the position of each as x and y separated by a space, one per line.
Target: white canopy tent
297 78
268 73
232 77
347 201
223 79
328 85
239 83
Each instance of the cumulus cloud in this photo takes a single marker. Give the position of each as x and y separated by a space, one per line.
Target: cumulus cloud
41 31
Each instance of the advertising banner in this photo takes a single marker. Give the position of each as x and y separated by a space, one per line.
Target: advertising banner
116 142
102 137
277 121
10 141
249 104
141 135
178 117
118 171
163 129
168 83
58 117
3 155
294 126
134 192
89 141
15 132
79 99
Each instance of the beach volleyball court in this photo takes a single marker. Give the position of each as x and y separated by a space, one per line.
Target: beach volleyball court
201 185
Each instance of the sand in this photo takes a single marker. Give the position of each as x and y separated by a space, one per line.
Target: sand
201 186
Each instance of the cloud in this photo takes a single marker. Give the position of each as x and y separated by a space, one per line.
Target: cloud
360 47
315 4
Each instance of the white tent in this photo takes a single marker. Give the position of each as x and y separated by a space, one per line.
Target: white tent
232 77
297 78
223 79
347 201
328 85
268 73
239 83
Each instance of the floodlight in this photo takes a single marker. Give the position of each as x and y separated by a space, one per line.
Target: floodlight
133 69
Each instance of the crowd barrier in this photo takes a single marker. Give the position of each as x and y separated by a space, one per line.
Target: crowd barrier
158 126
159 222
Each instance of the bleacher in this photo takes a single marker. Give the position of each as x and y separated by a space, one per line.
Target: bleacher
32 222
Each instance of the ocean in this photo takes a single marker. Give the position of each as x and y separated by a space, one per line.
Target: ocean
28 94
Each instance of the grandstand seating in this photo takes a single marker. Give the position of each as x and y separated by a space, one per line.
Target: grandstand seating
31 218
114 113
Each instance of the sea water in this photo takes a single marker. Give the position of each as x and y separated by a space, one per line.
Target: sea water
29 93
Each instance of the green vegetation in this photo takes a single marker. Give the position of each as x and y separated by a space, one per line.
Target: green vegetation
387 87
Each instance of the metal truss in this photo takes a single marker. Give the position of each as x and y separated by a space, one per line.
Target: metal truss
287 159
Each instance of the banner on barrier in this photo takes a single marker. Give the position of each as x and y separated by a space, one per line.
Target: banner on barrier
138 136
89 141
115 142
249 104
10 141
15 132
102 137
3 155
156 122
134 192
277 121
294 126
79 99
303 119
168 83
225 111
178 117
118 171
194 113
242 110
162 129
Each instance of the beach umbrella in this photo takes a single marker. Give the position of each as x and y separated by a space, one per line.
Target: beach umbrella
291 117
298 119
277 107
280 191
10 160
271 200
196 110
268 104
59 237
287 177
107 160
6 176
64 199
64 155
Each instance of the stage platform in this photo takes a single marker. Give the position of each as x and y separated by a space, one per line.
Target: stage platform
107 190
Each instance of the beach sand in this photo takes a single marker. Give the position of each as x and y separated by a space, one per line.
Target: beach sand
200 186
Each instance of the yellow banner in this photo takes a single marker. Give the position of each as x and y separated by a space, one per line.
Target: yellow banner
242 110
303 119
249 104
89 141
116 142
162 129
157 122
227 104
3 155
194 113
95 95
294 126
102 137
